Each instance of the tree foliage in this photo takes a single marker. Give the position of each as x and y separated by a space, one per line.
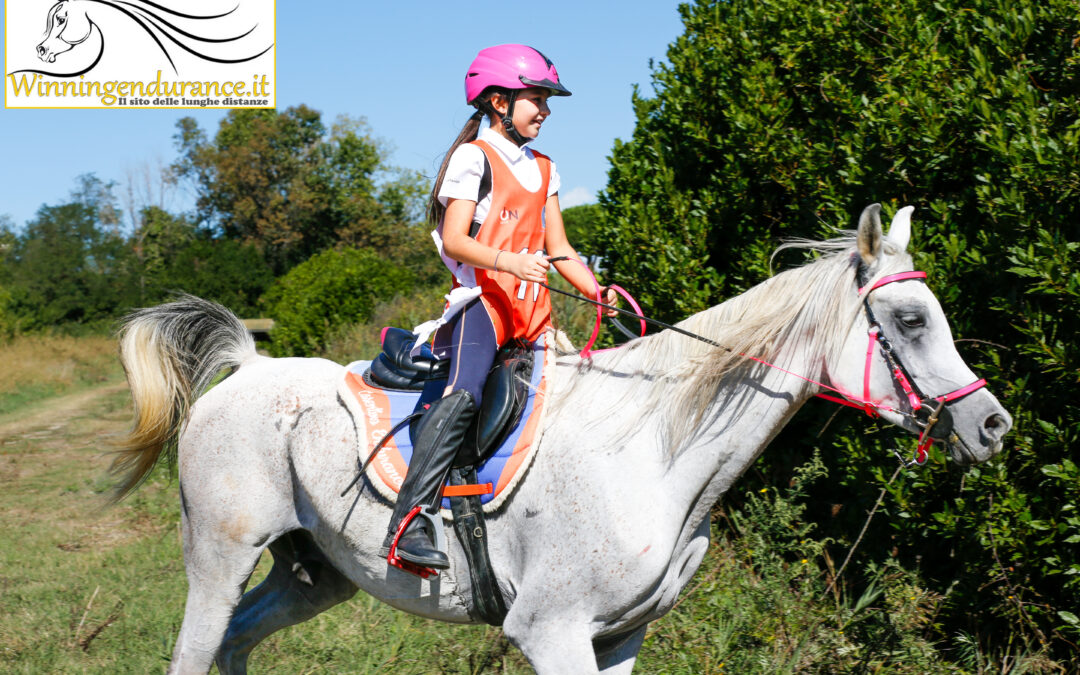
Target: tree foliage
71 265
176 255
285 183
777 118
273 189
582 225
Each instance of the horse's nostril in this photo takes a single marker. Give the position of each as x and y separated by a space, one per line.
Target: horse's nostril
40 50
996 426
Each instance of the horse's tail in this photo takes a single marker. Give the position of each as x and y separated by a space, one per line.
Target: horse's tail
170 354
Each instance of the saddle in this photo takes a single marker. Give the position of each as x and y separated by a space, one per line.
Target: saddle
506 395
505 392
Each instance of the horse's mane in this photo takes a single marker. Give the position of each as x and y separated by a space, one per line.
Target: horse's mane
806 311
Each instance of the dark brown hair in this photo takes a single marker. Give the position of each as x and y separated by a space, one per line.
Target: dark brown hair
468 134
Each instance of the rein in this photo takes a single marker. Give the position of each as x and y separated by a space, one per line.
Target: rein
929 413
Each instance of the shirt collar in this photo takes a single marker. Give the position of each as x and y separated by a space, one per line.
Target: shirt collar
504 145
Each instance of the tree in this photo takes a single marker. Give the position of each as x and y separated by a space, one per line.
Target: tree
777 118
72 264
8 325
281 181
177 256
582 225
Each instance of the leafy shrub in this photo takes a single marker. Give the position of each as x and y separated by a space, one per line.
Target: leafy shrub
70 265
326 291
8 324
360 340
777 118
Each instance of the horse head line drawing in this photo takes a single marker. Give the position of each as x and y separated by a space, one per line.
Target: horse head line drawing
68 25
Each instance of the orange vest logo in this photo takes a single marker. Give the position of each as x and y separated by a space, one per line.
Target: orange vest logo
139 54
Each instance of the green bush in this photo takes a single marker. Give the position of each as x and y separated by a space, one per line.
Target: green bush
326 291
362 339
777 118
70 265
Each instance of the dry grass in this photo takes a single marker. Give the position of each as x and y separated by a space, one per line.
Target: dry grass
39 366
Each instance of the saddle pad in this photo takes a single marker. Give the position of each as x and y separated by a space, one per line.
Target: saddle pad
377 410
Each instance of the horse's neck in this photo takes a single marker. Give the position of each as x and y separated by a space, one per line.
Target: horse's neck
734 435
753 405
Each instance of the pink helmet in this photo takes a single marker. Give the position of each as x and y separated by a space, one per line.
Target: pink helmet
511 67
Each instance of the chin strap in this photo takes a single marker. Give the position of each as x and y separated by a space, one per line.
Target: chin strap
508 120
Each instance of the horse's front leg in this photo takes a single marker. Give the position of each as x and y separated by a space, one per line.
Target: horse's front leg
617 657
553 643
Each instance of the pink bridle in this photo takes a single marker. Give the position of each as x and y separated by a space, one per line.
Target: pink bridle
919 402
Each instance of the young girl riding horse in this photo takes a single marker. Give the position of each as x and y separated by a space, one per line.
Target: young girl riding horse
496 206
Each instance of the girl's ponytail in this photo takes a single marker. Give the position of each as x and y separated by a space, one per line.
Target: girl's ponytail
468 134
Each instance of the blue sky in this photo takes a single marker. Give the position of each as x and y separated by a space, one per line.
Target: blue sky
398 65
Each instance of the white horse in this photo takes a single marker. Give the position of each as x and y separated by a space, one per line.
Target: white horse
610 522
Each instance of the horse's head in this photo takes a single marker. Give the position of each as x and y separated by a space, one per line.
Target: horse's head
910 368
65 27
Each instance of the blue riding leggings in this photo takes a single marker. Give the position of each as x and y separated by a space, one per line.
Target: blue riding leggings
468 340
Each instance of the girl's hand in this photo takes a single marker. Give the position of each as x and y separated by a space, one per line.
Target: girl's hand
524 266
610 297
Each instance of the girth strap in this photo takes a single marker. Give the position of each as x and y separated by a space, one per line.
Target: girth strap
471 529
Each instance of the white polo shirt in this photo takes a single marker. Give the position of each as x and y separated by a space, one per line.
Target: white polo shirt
466 168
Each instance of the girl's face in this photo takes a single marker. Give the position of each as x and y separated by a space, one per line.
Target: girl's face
530 110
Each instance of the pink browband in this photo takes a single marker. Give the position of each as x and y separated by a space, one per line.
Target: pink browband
902 276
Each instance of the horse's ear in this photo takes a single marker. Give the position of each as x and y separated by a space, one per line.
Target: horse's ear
900 229
869 235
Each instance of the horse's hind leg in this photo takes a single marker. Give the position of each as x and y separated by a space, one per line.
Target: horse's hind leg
301 584
218 567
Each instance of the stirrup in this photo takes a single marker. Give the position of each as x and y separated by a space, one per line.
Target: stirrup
440 542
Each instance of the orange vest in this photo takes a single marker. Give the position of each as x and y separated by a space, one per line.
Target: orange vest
515 223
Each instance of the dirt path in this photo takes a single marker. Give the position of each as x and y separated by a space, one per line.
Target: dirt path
51 414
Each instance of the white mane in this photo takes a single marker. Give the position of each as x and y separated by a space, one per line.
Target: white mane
805 312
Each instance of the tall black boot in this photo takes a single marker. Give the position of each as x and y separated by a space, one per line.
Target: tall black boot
439 436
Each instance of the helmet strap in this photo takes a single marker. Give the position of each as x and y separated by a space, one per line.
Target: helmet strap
508 120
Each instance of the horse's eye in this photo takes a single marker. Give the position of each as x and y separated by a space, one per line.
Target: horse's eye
912 320
60 20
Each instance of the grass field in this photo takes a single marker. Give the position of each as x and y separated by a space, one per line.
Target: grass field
87 588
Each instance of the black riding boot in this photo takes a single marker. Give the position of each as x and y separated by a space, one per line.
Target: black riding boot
438 439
